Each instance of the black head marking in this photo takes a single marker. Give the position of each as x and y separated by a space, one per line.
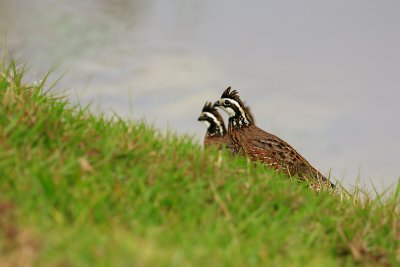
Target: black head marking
228 93
215 120
209 107
232 95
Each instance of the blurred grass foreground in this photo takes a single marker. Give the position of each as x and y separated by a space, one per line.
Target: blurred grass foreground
83 190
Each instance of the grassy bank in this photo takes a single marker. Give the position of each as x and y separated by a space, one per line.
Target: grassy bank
82 190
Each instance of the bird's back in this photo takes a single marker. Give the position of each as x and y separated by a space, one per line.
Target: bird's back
267 148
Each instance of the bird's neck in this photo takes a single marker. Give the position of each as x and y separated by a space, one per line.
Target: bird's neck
239 121
216 130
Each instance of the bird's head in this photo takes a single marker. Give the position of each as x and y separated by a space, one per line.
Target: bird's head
231 103
212 119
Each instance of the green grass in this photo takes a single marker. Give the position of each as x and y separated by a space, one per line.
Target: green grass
83 190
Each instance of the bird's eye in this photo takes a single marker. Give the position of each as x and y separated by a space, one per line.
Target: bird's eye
226 102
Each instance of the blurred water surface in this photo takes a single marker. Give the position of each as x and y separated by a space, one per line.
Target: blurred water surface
323 75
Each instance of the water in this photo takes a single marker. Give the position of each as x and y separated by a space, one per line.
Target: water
323 76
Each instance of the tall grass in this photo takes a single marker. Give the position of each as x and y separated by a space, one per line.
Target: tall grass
83 190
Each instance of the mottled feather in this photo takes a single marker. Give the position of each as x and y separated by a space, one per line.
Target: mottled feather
261 146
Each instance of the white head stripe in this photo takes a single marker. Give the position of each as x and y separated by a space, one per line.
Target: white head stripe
234 102
217 122
231 112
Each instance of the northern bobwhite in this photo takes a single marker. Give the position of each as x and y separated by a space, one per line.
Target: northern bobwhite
249 140
216 134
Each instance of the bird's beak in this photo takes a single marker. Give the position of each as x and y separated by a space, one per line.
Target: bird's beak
217 103
199 118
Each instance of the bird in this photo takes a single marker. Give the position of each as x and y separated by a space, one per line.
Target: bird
260 146
217 134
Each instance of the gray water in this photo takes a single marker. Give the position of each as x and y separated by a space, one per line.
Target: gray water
322 75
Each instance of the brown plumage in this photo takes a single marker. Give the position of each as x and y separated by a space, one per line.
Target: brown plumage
249 140
216 134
